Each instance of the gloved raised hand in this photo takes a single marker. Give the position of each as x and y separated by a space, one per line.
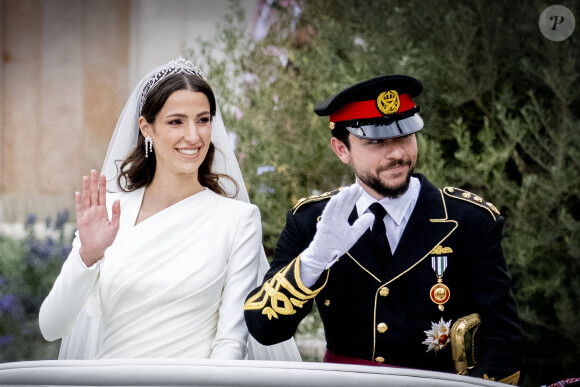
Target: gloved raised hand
334 235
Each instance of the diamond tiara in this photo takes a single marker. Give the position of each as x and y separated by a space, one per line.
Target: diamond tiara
177 66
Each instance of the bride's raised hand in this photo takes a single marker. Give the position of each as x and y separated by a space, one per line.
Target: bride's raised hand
96 232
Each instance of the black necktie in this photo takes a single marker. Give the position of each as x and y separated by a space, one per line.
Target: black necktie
379 233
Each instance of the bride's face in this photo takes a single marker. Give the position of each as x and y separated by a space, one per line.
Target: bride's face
181 133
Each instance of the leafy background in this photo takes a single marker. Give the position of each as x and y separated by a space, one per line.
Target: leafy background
500 105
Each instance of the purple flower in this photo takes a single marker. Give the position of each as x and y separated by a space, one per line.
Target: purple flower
30 220
7 302
6 339
65 251
61 219
41 249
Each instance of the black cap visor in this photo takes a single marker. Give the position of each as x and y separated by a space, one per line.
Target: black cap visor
383 130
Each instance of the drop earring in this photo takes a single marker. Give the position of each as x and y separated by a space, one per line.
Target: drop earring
148 145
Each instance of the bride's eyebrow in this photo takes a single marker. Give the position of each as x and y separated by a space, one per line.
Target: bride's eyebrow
176 115
181 115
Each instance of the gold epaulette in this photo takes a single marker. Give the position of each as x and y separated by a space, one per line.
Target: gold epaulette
467 196
315 198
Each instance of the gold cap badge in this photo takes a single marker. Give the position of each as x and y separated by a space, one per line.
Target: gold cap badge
388 102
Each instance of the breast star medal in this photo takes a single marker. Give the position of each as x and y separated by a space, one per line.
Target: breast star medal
438 336
439 292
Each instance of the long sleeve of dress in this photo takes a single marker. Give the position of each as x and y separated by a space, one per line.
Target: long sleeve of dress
241 274
68 295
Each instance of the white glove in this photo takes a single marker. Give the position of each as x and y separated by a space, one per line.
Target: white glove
334 235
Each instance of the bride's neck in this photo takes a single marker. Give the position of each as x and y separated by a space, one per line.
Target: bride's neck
168 190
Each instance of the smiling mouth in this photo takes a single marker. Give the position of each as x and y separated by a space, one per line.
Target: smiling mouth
189 152
394 166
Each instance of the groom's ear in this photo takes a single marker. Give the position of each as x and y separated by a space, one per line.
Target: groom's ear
340 149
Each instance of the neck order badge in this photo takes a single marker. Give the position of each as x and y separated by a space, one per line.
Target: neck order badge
439 293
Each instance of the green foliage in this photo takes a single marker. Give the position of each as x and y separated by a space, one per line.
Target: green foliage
28 268
501 119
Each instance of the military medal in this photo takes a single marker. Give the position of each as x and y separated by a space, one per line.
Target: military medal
439 292
438 336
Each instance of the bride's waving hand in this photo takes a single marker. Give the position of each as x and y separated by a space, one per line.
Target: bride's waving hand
96 232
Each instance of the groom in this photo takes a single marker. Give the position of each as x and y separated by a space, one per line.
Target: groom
392 261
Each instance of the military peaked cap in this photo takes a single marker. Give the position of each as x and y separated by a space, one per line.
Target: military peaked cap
377 108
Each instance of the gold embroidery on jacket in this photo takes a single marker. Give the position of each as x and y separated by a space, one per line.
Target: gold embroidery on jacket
273 300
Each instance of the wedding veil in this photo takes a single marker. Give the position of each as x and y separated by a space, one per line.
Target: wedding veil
84 340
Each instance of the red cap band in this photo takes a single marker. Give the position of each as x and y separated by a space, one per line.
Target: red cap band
368 109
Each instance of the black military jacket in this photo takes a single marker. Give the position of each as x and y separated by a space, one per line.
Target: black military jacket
379 311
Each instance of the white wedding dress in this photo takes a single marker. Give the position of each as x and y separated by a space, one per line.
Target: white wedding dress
164 283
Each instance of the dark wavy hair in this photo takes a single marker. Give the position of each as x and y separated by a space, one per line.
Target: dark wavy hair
137 170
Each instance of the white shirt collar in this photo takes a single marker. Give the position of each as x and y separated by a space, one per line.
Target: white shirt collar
396 208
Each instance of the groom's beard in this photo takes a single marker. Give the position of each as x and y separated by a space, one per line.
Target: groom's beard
374 182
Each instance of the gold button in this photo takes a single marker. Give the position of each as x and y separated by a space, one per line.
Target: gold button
384 292
327 302
380 359
382 327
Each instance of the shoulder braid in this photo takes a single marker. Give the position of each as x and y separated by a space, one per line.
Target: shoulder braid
461 194
315 198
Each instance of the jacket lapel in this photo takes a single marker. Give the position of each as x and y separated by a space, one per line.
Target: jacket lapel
427 228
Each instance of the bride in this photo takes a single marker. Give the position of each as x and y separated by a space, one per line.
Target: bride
164 255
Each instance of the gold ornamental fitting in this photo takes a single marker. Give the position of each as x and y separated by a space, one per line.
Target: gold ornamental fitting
384 292
388 102
380 359
382 327
331 125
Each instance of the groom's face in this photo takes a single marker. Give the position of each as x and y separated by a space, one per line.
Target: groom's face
382 167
